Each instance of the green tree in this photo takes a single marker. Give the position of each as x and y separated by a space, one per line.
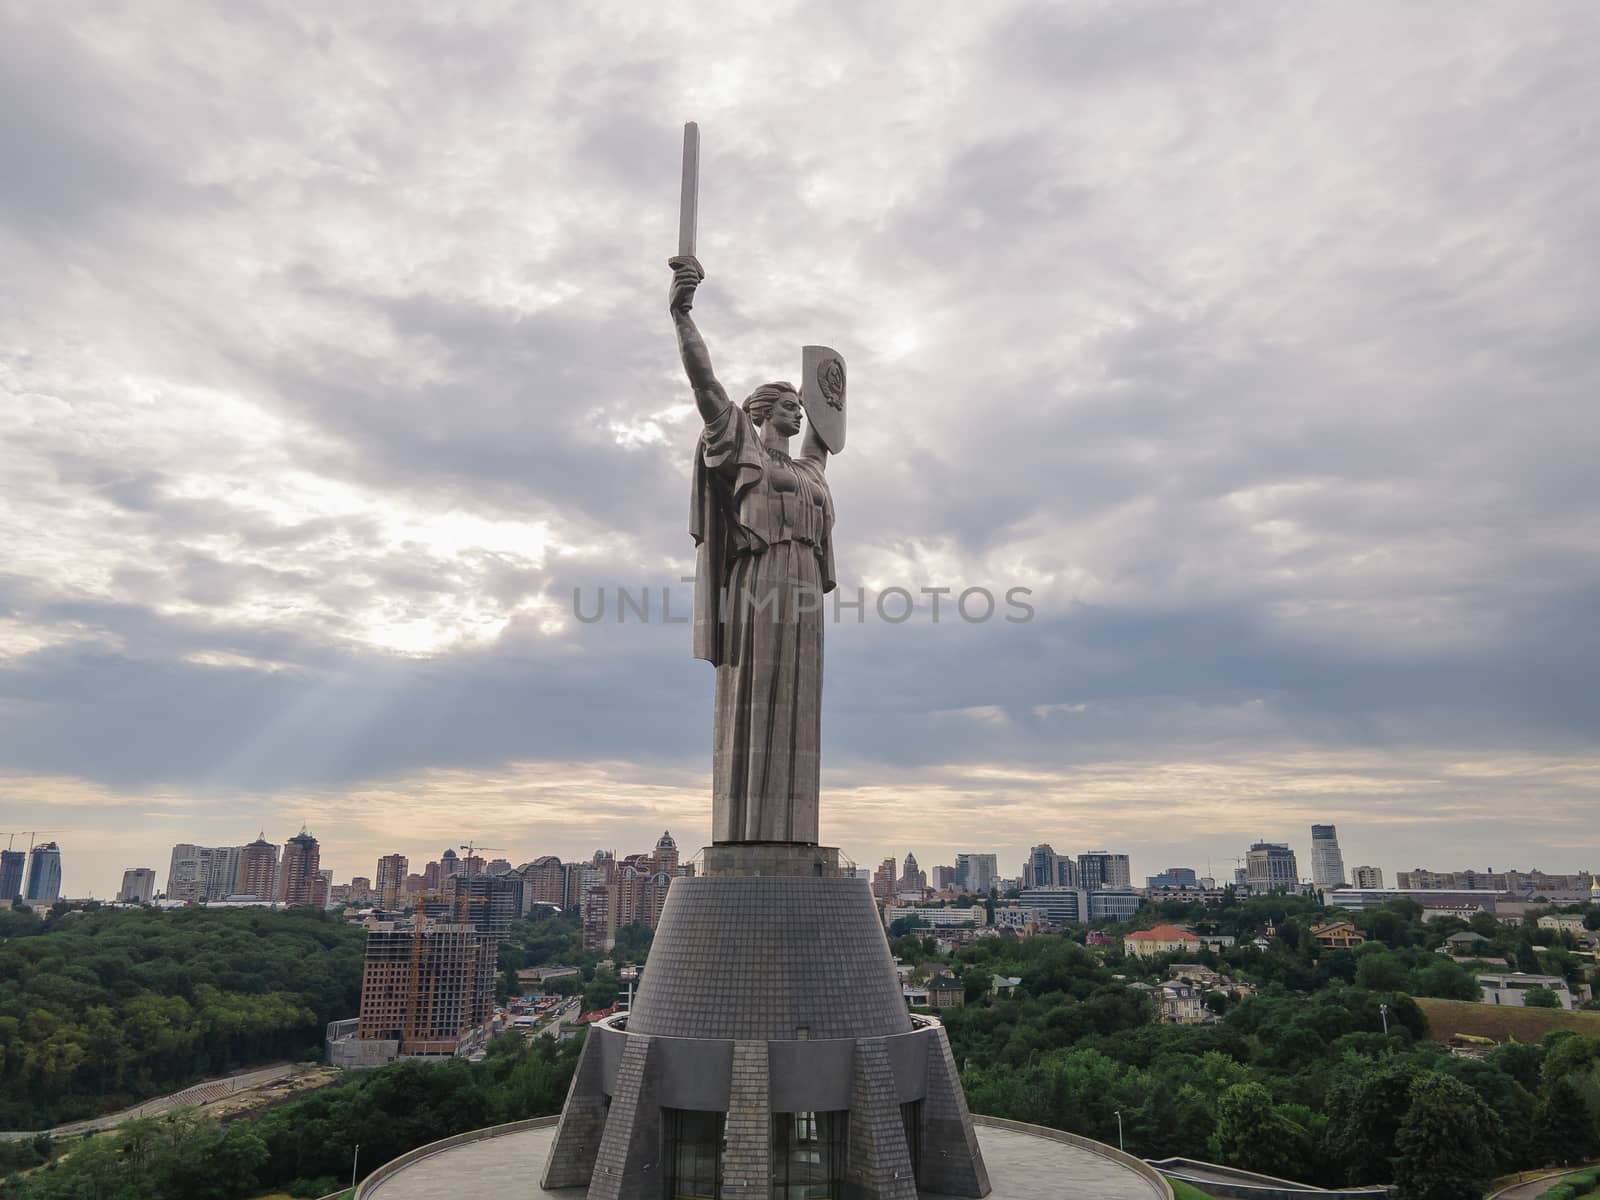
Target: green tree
1447 1144
1540 997
1253 1133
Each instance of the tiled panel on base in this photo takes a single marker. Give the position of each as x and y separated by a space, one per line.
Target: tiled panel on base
583 1120
747 1160
952 1162
769 958
628 1165
880 1161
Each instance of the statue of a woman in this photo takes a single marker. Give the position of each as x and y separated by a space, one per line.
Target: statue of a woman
763 525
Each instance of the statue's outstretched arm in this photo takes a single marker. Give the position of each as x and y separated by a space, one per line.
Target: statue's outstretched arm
708 394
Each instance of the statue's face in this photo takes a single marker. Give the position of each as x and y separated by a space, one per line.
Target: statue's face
785 416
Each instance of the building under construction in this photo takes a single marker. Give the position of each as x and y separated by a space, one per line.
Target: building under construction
427 989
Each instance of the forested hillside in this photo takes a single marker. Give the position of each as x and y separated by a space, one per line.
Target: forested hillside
306 1147
103 1007
1299 1081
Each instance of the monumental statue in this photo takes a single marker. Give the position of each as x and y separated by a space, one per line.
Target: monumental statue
767 1053
762 522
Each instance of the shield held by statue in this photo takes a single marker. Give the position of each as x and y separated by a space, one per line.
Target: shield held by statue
822 394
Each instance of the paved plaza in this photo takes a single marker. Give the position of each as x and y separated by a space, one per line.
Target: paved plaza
1022 1166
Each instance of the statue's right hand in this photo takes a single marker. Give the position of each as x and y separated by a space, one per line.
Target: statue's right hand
686 276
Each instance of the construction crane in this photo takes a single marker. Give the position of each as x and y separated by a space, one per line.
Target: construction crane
470 847
32 833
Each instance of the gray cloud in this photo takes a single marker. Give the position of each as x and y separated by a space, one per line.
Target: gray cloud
1260 345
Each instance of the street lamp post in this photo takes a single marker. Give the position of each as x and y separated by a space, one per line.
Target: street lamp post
354 1159
1383 1011
1119 1131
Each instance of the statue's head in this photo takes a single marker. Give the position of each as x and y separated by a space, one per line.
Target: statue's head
776 402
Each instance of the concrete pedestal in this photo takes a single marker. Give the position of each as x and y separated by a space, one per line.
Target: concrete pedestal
769 992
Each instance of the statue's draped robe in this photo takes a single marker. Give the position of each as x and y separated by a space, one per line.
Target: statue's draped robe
763 525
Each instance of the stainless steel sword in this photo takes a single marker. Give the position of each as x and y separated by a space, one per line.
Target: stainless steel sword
689 205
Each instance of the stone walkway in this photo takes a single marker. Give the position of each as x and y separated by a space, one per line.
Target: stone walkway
1021 1167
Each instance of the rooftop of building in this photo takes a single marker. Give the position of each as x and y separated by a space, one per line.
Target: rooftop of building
1025 1162
1163 933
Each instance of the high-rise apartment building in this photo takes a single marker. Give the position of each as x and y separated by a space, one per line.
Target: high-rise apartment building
1366 877
976 873
1327 863
912 878
599 930
426 985
44 874
224 878
1100 871
944 879
489 903
300 871
189 872
257 875
450 865
13 871
1271 867
666 855
883 880
545 882
392 869
138 886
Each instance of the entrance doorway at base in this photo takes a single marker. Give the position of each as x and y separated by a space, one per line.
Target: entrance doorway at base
692 1153
911 1119
808 1155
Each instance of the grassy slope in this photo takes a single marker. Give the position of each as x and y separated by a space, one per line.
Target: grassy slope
1184 1192
1447 1017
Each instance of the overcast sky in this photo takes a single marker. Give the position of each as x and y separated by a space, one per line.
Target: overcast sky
1260 341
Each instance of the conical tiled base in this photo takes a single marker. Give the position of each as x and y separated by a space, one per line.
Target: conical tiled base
766 995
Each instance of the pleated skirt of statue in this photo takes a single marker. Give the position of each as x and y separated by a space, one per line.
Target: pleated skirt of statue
767 727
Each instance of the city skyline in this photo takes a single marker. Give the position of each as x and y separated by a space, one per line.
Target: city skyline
326 391
347 863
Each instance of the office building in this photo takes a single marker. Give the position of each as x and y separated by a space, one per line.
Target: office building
13 871
1045 868
934 916
138 886
1056 905
1366 877
391 876
943 879
976 873
1270 867
1327 863
1100 871
44 874
1173 877
1113 904
300 871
